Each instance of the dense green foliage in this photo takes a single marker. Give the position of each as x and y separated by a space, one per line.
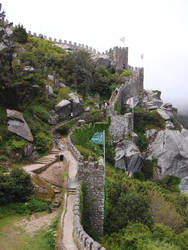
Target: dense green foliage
144 214
144 120
15 187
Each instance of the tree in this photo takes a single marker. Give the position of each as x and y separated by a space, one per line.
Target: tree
15 187
6 51
20 34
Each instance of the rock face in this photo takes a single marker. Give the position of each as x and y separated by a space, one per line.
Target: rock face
167 111
170 147
121 126
128 157
152 100
17 125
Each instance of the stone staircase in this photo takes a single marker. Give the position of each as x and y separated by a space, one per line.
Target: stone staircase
71 186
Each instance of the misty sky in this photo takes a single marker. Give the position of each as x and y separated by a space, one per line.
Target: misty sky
156 28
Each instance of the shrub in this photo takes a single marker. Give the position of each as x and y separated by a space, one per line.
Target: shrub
63 94
129 207
149 168
3 158
163 233
24 208
17 145
146 120
171 183
63 130
92 117
15 187
1 139
164 212
41 112
86 152
143 142
22 184
43 142
117 107
126 73
182 240
177 125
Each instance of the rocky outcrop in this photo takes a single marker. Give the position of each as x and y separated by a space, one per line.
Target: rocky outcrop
120 126
152 100
29 152
167 111
170 148
128 157
17 125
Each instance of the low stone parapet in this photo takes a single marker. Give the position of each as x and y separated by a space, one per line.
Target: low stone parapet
83 240
73 149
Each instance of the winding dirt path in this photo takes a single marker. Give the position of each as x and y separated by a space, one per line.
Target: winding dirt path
68 241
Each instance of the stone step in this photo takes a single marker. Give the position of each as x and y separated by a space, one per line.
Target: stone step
72 190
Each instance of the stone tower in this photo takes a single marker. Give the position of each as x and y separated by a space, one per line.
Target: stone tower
92 174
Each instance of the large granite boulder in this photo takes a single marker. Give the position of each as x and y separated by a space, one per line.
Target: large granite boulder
17 124
170 147
120 126
63 109
74 98
167 111
152 100
76 105
128 157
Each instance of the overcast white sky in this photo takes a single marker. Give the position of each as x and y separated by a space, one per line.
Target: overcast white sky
156 28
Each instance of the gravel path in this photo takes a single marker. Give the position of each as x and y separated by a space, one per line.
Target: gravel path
68 241
36 224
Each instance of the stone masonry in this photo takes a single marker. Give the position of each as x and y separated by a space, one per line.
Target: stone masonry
83 240
92 174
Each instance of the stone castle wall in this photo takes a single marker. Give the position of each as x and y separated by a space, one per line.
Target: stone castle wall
83 240
92 174
133 86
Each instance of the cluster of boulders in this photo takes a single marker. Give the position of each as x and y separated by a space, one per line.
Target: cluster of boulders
169 146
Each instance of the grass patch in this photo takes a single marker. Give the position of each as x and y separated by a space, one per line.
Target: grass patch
23 208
